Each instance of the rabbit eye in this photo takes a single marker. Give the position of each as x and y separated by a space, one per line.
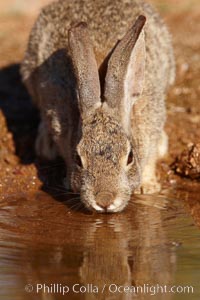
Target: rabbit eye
78 160
130 158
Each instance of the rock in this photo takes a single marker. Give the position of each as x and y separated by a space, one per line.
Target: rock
187 164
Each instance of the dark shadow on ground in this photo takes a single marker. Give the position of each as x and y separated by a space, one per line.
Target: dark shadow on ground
21 116
22 120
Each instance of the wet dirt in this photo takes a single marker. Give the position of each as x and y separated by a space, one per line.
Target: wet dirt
47 236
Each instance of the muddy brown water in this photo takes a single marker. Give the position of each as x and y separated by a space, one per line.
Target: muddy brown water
44 242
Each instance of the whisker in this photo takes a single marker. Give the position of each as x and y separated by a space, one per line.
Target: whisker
49 187
55 194
76 207
72 200
60 189
50 166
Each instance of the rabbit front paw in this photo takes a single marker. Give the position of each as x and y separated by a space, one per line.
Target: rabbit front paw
163 145
150 187
45 146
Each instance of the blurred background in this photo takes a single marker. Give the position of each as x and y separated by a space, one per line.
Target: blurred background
17 17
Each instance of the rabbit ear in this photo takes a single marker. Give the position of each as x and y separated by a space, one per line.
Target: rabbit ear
125 71
85 68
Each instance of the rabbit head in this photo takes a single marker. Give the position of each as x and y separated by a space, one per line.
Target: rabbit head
106 166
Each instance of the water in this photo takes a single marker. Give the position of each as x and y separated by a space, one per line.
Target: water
153 243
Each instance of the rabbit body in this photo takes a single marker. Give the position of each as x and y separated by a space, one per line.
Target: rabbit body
109 130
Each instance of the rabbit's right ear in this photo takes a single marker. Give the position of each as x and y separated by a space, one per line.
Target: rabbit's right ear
124 79
85 68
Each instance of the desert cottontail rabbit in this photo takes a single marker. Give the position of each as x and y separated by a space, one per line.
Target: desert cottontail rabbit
98 72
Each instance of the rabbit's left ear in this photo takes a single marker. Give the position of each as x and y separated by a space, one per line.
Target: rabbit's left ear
85 68
125 72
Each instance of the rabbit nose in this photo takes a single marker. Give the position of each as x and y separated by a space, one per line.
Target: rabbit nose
104 199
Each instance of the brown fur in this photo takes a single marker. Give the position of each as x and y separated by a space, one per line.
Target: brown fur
60 72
